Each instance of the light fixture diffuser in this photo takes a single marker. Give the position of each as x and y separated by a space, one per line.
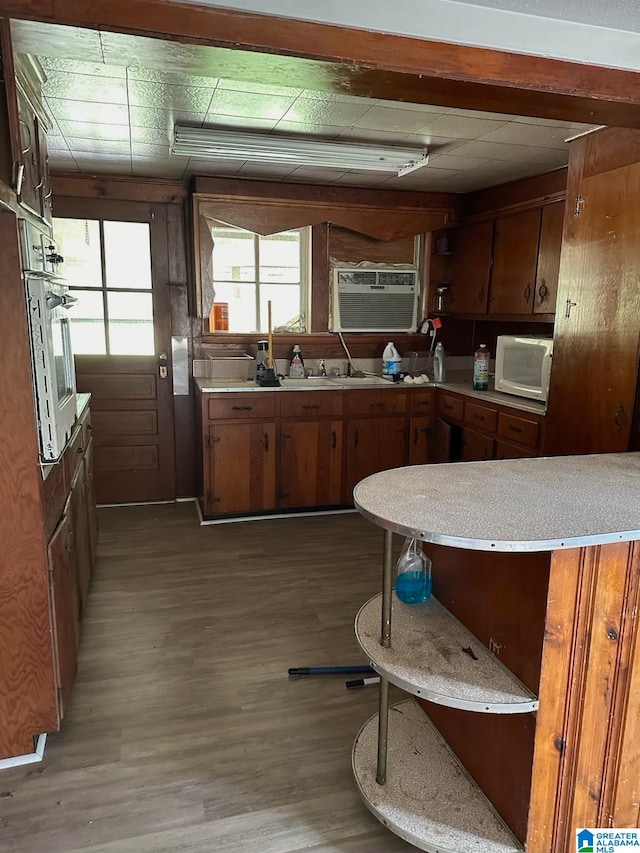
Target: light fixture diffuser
211 142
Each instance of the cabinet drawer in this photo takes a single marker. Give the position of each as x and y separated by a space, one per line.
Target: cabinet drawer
256 405
316 404
506 450
376 402
518 429
73 454
450 407
480 416
421 402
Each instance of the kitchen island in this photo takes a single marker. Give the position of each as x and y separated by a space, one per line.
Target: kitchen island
536 570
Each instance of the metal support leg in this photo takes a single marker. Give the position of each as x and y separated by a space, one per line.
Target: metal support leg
385 640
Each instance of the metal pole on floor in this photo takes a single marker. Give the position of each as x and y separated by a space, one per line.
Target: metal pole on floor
385 640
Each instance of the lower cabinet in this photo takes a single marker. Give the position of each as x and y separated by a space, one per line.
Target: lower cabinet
311 464
241 468
476 447
64 607
420 441
375 444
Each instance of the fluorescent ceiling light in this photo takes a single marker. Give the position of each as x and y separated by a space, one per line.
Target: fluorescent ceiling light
210 142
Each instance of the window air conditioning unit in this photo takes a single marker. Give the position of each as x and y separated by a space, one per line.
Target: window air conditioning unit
374 300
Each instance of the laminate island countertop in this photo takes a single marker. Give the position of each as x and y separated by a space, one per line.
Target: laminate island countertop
539 504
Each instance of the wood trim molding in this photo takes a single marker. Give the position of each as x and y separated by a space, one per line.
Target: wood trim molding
516 195
373 64
156 190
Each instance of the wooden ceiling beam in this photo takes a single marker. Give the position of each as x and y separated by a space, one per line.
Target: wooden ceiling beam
369 64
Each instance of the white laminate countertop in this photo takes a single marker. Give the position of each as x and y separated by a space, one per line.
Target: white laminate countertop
82 401
539 504
458 383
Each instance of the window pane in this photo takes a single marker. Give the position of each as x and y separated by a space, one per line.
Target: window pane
242 305
78 241
130 323
233 255
285 307
280 257
127 255
87 323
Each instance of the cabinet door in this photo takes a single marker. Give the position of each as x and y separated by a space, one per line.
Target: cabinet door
470 269
506 450
549 258
374 445
420 441
442 441
242 460
30 191
515 256
45 191
476 446
81 537
595 352
64 607
311 463
92 515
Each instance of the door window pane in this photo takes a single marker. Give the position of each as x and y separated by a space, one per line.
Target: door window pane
127 255
280 257
130 323
242 305
78 241
87 323
233 255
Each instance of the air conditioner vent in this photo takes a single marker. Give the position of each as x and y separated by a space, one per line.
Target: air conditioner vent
380 300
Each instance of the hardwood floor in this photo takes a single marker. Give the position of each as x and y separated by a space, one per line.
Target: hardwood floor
184 732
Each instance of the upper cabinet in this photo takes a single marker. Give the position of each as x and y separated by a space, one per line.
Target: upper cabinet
32 167
504 266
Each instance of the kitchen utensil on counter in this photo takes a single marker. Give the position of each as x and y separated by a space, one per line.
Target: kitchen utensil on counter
267 378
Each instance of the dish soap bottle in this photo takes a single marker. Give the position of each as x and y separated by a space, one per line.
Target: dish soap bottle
391 361
413 580
439 370
481 368
296 366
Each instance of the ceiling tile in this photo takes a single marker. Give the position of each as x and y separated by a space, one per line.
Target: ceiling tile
481 114
318 131
158 167
552 122
88 111
56 143
539 136
434 143
85 87
384 137
91 164
458 164
328 112
99 146
49 40
171 78
190 99
259 88
272 171
462 127
163 119
405 105
212 167
395 120
158 149
312 175
492 150
233 103
239 123
77 66
62 159
358 179
93 130
152 135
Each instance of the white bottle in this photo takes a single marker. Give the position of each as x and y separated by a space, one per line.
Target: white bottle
296 366
391 360
439 370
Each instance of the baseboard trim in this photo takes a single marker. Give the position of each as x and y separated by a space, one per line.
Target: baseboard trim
31 758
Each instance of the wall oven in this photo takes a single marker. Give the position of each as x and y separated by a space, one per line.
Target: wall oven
48 304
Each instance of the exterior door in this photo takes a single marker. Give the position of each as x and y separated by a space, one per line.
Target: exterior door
595 353
117 268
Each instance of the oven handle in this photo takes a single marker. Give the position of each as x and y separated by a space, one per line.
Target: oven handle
56 301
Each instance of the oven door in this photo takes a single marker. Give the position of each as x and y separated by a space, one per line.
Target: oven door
53 367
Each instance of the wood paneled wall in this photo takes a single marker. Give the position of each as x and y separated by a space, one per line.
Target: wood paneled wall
26 650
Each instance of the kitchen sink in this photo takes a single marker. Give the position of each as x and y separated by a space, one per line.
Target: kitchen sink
310 382
361 380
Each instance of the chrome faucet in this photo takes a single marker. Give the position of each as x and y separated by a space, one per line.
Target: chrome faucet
322 368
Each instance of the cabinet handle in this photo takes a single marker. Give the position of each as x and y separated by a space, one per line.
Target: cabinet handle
415 435
241 408
334 439
543 291
311 406
527 293
448 406
356 436
266 441
479 417
422 402
618 417
28 129
80 449
515 428
376 405
481 295
567 308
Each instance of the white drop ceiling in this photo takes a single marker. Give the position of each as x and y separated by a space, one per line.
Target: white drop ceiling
114 99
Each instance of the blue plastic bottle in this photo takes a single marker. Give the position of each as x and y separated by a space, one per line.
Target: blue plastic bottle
413 581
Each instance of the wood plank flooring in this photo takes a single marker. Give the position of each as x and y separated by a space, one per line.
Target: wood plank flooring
184 732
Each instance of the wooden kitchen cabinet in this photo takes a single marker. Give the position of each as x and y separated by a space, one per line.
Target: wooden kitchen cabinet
546 291
311 464
420 444
242 468
515 258
470 268
64 608
476 447
374 445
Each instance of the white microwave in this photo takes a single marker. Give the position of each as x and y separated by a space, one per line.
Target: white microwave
523 366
